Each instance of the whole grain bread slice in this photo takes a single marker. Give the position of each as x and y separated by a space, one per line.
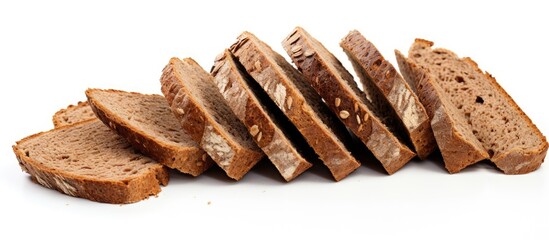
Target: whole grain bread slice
513 142
147 122
299 102
337 87
455 139
270 129
73 114
389 91
88 160
205 116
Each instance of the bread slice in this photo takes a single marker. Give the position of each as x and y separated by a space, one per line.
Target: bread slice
272 132
337 87
207 118
73 114
455 139
147 122
387 89
513 142
299 102
90 161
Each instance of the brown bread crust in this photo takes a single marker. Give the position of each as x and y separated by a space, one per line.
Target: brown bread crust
235 158
379 76
186 159
336 86
299 102
118 192
265 131
517 160
459 147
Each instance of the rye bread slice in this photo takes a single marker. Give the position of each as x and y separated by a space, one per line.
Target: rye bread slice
276 136
513 142
90 161
147 122
73 114
390 92
299 102
337 87
205 116
455 139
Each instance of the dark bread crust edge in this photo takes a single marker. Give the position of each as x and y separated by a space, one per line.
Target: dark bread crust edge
386 79
515 161
320 135
193 161
116 192
360 120
276 145
457 150
195 122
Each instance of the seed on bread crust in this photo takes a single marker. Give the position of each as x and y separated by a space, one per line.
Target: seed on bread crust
259 137
344 114
296 48
254 130
309 53
289 101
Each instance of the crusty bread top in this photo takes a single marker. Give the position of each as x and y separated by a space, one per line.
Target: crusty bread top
199 82
88 160
73 114
299 101
341 94
205 116
389 92
270 128
496 120
293 78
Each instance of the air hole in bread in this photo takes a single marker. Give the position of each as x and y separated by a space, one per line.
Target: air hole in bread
479 100
460 79
417 55
377 63
505 120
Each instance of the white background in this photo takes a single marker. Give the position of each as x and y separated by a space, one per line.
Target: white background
51 51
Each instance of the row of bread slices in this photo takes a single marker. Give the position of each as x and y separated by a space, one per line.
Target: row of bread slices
255 104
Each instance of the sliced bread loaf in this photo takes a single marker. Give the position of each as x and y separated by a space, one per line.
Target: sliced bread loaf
389 91
513 142
205 116
337 87
90 161
270 129
299 102
455 139
73 114
147 122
